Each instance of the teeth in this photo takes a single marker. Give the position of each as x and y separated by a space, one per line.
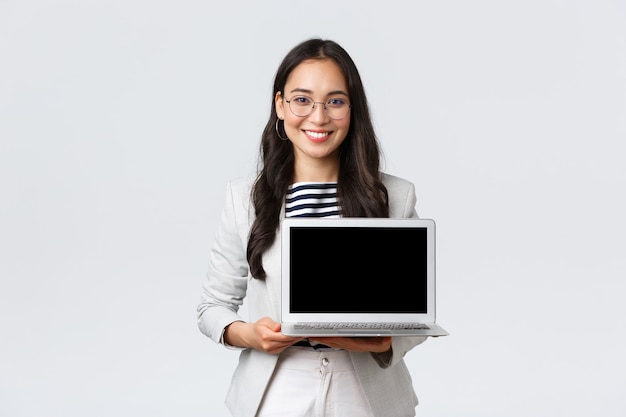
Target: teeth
317 134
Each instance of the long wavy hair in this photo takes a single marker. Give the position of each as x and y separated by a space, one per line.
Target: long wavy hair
360 191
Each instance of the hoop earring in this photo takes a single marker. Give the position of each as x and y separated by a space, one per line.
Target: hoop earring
278 131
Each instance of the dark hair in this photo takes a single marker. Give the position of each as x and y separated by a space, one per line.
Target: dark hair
360 192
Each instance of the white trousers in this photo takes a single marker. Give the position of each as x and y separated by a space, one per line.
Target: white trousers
310 383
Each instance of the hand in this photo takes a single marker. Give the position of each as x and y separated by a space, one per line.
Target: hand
356 344
263 335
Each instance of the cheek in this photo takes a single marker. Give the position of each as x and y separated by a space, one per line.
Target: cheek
343 124
292 121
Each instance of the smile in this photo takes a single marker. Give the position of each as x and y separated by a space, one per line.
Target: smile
317 136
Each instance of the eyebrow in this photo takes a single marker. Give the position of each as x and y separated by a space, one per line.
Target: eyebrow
331 93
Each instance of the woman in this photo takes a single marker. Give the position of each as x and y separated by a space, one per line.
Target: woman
318 141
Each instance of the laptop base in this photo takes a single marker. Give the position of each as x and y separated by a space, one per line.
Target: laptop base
298 330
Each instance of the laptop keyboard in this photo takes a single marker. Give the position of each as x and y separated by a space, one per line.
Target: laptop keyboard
360 326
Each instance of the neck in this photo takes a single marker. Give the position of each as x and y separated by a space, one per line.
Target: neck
316 171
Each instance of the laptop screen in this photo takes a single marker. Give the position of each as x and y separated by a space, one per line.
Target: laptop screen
358 270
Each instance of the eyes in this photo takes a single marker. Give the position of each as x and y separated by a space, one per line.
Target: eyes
335 107
304 101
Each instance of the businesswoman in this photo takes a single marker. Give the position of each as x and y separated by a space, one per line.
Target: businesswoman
319 157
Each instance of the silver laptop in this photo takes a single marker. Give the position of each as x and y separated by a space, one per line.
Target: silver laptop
358 277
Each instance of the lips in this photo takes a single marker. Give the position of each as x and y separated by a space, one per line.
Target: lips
317 136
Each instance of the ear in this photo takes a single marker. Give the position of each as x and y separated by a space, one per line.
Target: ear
280 105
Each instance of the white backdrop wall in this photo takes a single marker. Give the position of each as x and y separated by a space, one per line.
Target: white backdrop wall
121 121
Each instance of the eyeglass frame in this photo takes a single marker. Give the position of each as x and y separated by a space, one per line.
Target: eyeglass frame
323 103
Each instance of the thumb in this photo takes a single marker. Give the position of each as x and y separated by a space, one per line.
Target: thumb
269 323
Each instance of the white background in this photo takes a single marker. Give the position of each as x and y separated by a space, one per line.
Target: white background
121 121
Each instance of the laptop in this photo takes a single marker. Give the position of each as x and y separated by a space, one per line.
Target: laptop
358 277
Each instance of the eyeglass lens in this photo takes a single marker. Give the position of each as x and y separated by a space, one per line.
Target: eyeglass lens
335 108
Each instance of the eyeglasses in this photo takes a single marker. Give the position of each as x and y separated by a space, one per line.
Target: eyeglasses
335 108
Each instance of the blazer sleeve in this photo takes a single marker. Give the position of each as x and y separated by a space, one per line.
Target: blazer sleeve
226 281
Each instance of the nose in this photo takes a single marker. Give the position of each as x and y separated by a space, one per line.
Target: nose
318 114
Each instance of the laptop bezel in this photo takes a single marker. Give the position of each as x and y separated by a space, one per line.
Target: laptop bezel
428 224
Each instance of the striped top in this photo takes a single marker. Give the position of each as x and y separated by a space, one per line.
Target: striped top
312 199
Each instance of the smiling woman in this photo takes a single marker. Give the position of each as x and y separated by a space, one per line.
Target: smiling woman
320 157
315 136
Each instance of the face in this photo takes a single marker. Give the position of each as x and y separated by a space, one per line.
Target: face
315 137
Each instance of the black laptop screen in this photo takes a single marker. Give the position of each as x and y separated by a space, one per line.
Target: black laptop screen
358 270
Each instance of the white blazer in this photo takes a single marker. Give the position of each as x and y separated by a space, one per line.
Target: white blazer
387 385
